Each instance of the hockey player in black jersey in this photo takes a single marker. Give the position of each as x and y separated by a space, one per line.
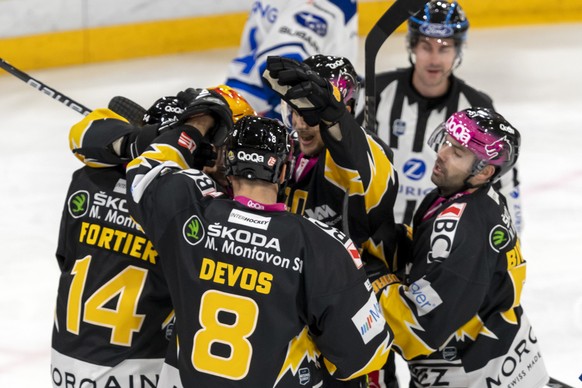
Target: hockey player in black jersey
113 313
457 318
263 297
343 175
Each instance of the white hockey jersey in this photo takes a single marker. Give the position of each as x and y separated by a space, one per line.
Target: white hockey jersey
295 29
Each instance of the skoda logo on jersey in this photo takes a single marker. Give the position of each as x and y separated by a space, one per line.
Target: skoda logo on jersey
414 169
313 22
499 238
436 30
78 203
398 127
193 230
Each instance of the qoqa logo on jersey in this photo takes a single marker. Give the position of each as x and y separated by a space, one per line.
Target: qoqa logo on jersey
78 203
193 231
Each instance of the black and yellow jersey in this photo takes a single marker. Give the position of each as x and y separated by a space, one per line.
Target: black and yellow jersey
263 297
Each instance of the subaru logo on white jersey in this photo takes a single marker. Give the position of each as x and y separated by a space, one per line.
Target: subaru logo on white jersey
313 22
414 169
249 219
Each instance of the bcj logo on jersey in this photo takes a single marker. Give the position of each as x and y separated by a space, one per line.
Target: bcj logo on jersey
78 203
193 230
414 169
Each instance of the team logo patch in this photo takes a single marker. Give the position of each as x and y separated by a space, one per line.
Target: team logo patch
304 376
78 203
414 169
249 219
499 238
193 230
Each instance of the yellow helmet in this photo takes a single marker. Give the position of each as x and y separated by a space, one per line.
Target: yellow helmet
237 103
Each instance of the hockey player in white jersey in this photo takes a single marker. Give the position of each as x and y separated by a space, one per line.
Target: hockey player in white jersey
293 29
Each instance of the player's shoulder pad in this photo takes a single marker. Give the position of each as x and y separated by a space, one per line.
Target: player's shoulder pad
90 139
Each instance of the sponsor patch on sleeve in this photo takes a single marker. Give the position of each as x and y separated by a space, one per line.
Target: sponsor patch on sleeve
369 320
423 296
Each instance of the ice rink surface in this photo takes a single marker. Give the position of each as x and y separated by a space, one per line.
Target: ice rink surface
533 74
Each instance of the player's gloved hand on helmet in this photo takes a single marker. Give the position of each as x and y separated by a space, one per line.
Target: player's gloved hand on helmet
203 101
311 95
205 155
165 111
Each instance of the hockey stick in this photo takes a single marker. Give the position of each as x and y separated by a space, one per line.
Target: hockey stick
397 14
123 106
557 384
44 88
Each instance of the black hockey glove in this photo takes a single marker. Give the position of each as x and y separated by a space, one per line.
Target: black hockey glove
165 111
311 95
130 110
205 155
203 101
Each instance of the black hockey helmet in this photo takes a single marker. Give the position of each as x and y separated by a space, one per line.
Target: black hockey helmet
340 72
258 148
486 133
438 19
